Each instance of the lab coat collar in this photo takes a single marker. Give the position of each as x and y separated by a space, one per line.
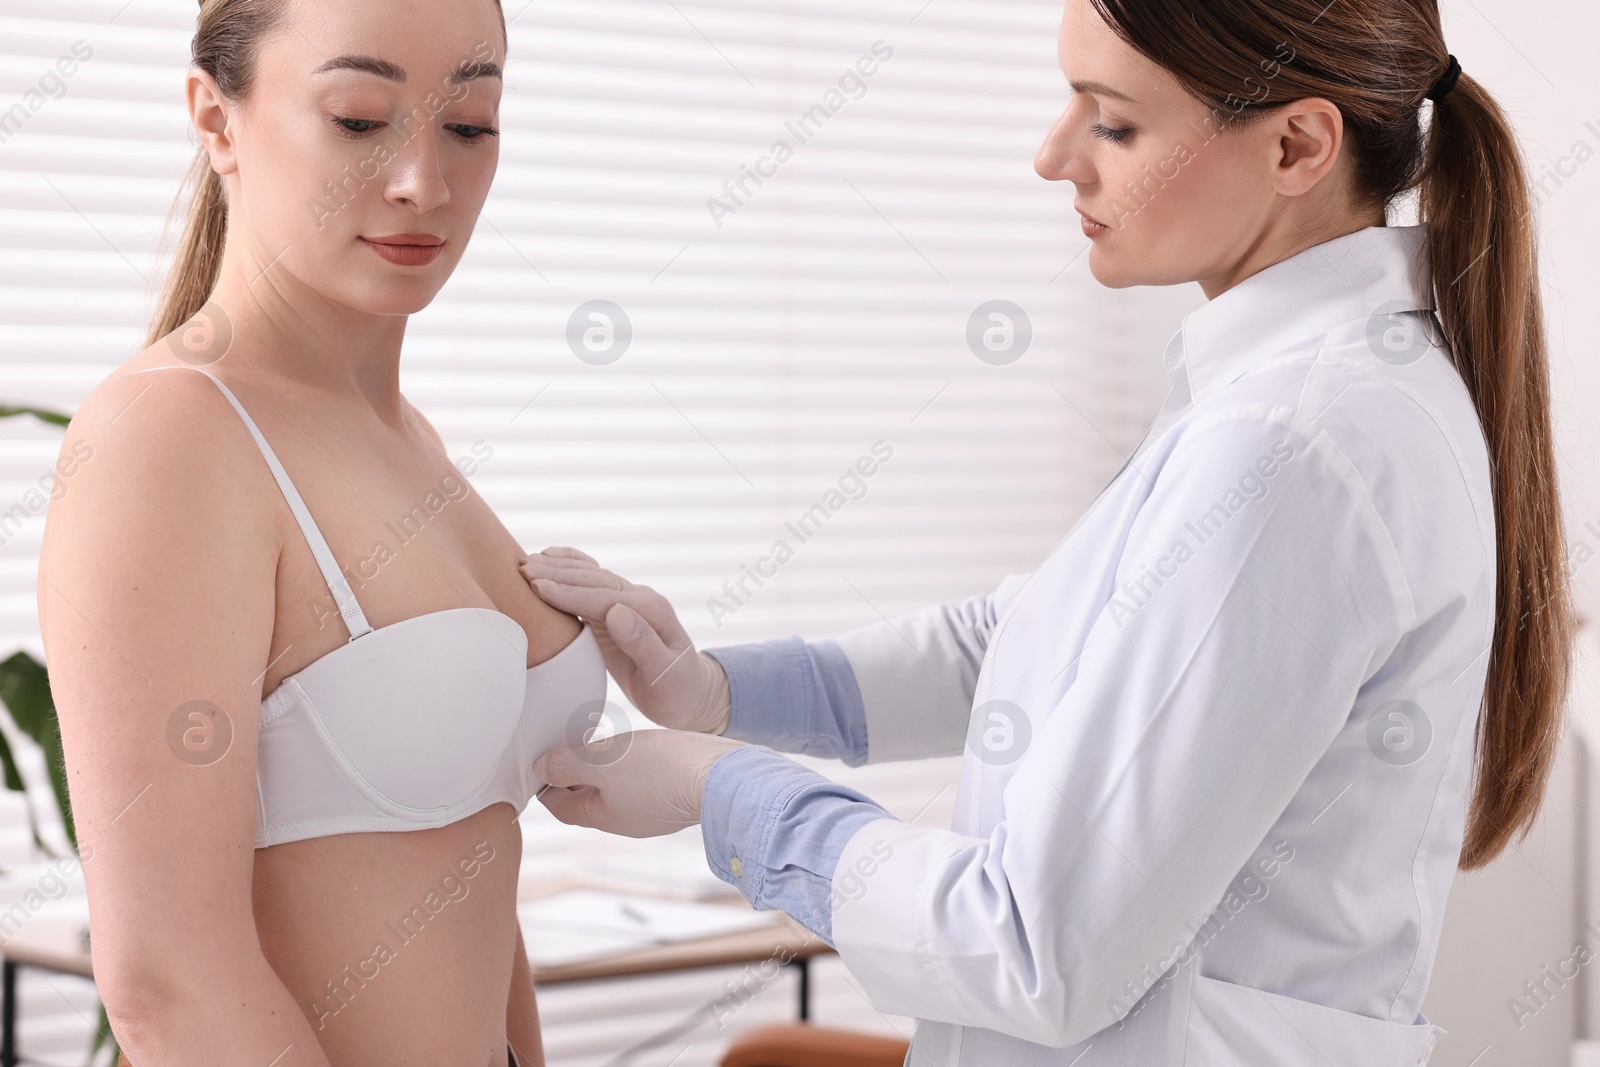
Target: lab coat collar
1377 271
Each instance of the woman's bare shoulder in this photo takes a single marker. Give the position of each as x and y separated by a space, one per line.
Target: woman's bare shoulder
155 374
157 408
154 439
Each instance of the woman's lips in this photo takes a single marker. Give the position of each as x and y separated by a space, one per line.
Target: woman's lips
1091 228
406 252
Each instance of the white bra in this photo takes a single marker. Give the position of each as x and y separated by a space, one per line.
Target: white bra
413 725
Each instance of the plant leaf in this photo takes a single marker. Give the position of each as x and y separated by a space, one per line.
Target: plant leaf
25 691
103 1036
54 418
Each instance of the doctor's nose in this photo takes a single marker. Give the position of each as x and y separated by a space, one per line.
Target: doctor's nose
1058 158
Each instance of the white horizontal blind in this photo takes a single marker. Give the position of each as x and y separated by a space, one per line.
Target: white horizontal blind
780 328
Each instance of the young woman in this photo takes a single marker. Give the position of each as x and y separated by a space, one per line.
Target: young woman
289 645
1227 746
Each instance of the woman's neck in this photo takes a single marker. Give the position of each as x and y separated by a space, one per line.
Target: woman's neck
1285 237
286 330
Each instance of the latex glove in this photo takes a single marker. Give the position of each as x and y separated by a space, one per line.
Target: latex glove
646 649
641 784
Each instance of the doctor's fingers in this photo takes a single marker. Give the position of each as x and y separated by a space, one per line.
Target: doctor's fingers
594 602
639 639
580 806
572 573
589 602
573 555
591 764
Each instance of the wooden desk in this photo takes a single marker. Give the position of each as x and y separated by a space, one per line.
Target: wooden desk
57 947
785 940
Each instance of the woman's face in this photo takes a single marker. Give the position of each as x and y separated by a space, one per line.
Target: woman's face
1169 190
367 123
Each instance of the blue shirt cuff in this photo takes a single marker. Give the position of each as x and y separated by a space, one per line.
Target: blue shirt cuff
795 697
775 830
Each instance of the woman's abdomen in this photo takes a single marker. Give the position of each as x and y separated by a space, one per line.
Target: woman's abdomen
397 946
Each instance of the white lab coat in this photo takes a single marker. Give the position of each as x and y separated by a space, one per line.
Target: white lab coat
1215 820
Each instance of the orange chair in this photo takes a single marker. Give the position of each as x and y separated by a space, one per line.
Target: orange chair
805 1045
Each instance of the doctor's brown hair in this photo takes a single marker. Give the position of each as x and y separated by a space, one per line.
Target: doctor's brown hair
1377 60
227 42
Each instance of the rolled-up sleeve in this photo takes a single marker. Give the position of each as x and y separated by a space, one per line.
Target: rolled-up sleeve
775 829
1183 731
795 696
897 689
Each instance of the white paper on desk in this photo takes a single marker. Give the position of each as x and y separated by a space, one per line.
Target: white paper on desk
589 924
556 946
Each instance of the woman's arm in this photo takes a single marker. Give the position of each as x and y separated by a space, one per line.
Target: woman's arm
156 598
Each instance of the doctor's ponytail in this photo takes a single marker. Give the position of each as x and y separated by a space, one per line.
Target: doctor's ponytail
1380 62
1476 204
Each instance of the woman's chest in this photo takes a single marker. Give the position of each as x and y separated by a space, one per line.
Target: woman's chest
409 540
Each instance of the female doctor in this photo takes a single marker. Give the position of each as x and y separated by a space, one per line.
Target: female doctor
1226 747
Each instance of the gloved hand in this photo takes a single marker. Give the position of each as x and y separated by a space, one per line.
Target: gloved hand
646 649
641 784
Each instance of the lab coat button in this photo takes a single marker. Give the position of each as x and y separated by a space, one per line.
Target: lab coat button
736 867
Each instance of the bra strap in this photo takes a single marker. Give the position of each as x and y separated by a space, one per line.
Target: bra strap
355 619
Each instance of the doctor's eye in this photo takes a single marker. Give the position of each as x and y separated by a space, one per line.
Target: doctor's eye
1116 135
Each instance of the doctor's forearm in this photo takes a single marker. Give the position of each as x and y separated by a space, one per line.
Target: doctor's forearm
896 689
775 830
795 697
916 674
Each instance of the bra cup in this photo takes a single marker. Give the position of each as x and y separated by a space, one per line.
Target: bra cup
564 701
423 710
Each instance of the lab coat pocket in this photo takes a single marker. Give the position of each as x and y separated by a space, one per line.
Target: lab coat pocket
1229 1025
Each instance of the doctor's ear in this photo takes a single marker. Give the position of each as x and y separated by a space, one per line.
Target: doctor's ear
211 113
1304 138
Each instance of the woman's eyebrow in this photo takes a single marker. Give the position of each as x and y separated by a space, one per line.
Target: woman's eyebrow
474 69
1101 89
368 64
469 70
